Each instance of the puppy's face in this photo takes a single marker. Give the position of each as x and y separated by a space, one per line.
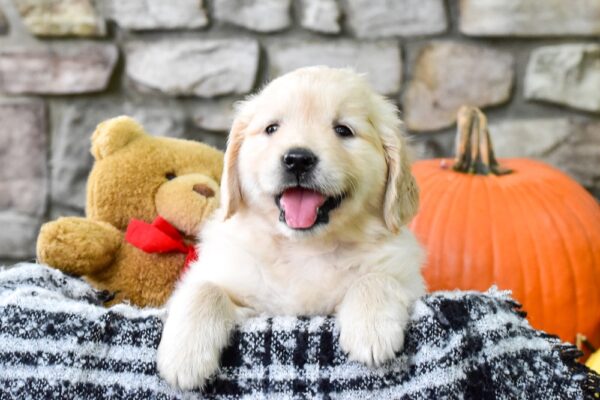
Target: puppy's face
311 152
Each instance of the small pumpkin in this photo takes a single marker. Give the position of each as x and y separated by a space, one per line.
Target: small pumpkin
518 224
594 362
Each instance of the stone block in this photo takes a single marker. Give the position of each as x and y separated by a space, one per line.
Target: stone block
139 15
320 15
567 74
23 157
71 69
448 75
256 15
61 17
380 60
193 67
530 17
387 18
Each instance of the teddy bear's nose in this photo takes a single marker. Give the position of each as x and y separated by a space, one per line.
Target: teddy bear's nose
203 190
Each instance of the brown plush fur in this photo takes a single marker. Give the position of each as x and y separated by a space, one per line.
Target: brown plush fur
129 180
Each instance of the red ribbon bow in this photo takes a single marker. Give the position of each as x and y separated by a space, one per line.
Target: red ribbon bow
159 237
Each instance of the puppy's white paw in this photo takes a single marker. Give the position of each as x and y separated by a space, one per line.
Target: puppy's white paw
373 316
188 362
369 339
197 329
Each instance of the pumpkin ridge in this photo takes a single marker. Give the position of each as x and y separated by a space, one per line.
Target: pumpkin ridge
424 195
435 222
593 255
470 223
583 198
451 222
435 190
573 299
537 265
425 183
490 224
425 179
510 207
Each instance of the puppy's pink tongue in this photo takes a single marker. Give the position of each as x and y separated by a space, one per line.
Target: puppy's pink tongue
300 206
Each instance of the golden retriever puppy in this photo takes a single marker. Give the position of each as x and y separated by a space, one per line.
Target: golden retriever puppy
315 194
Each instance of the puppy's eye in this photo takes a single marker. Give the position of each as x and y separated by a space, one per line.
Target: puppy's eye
170 176
271 129
343 131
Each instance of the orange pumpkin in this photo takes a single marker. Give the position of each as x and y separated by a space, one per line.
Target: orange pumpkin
518 224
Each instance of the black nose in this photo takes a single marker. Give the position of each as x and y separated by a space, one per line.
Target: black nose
299 160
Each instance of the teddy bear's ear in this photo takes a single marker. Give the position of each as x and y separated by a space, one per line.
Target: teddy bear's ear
113 134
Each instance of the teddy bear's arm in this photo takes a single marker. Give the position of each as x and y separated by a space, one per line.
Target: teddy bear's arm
78 246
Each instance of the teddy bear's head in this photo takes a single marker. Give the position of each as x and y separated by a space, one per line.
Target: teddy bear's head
140 176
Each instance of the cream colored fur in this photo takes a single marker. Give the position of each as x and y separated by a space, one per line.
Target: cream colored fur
363 265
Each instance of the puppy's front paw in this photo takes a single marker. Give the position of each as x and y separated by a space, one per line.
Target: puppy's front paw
371 340
187 362
196 331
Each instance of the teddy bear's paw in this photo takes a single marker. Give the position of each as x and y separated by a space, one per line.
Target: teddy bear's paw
371 340
185 365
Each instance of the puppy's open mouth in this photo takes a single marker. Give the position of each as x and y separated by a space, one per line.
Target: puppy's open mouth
302 208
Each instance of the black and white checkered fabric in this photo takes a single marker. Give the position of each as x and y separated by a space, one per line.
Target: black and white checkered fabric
57 341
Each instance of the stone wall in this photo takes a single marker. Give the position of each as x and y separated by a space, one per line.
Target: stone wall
178 65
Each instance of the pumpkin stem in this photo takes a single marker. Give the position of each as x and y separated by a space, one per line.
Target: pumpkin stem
474 151
582 341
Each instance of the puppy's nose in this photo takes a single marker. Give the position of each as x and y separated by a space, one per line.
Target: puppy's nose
299 160
203 190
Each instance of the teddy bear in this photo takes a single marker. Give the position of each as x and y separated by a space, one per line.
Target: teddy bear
146 200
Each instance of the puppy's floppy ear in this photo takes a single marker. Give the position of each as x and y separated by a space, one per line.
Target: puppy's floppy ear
401 200
231 190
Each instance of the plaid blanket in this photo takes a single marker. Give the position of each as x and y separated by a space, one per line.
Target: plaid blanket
57 341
